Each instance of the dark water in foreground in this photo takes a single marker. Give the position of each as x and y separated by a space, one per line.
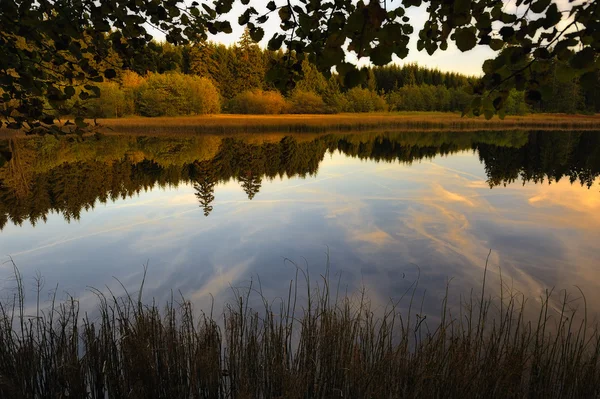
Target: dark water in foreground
207 211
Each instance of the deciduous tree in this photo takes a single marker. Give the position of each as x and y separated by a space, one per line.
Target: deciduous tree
48 47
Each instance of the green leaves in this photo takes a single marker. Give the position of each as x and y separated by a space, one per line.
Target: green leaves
564 73
462 6
222 26
244 18
353 77
583 59
465 38
538 6
257 34
69 91
54 52
532 96
285 13
488 108
110 73
223 7
553 16
381 55
507 32
275 42
496 44
81 123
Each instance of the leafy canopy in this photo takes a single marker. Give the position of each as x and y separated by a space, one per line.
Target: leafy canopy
50 47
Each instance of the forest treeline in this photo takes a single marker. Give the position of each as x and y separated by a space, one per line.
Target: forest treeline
70 175
208 78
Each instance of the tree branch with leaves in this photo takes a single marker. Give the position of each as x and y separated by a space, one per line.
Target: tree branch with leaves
50 47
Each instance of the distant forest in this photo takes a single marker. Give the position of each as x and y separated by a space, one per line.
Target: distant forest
69 175
208 78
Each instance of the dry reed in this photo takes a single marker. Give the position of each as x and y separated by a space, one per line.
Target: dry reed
341 122
415 121
328 346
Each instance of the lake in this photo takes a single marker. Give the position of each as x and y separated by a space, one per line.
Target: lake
378 210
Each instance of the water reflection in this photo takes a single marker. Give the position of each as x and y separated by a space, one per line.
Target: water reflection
381 203
69 175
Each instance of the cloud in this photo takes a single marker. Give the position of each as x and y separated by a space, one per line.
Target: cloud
376 237
222 278
576 206
440 193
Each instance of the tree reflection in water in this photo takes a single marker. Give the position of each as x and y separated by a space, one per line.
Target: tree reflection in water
42 175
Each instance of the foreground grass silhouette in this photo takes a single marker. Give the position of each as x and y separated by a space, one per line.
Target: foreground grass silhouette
329 346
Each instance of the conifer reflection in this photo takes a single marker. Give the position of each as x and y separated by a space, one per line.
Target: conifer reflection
39 176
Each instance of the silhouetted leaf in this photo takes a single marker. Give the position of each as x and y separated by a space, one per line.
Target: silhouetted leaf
257 34
275 42
533 96
285 13
110 73
538 6
465 38
583 59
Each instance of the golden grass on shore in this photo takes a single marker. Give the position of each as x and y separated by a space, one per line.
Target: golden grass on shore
341 122
227 123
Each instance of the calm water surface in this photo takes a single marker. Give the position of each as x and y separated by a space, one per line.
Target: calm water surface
209 211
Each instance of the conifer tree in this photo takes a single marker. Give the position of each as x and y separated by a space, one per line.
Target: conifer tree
202 60
371 83
224 75
205 186
249 65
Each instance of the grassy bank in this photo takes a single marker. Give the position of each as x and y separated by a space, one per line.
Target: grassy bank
341 122
328 346
414 121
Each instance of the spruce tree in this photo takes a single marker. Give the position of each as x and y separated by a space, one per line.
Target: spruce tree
205 186
249 65
202 60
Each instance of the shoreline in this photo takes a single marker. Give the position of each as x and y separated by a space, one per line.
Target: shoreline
418 121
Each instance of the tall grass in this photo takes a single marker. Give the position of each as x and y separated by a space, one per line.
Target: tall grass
328 345
341 122
349 122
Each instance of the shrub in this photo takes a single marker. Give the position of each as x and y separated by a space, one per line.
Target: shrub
459 99
312 79
394 100
173 94
442 98
130 82
364 100
515 103
112 102
333 97
407 98
307 102
259 102
203 96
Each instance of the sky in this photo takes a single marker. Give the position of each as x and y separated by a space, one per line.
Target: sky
376 220
451 60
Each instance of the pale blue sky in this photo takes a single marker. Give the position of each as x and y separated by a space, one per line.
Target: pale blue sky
377 220
451 60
